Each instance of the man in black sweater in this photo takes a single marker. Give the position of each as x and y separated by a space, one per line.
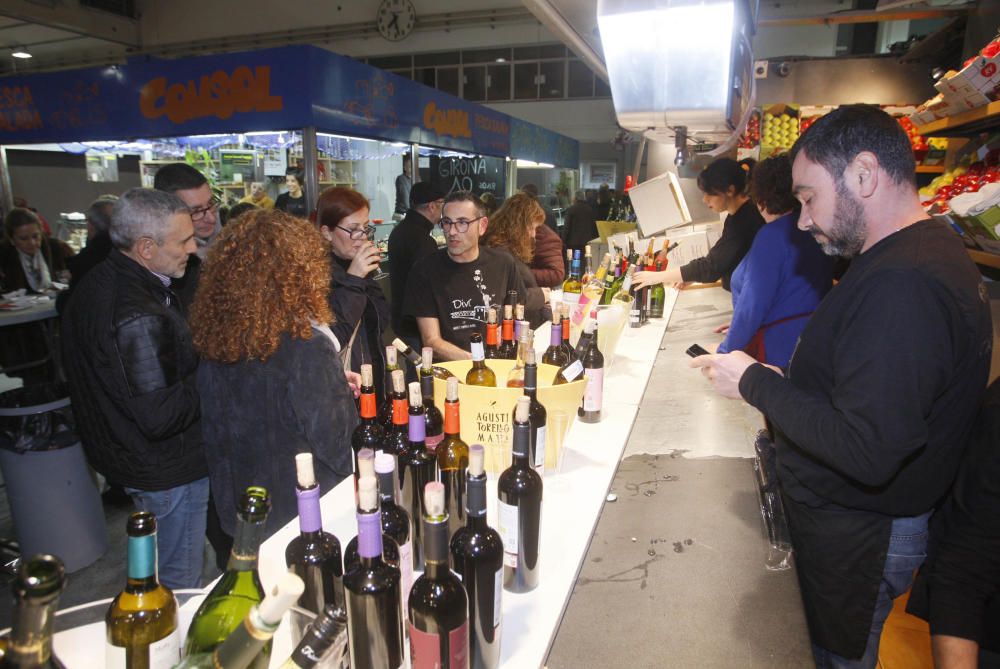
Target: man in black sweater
873 413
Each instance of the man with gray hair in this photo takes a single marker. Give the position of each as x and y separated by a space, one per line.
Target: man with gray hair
98 239
131 368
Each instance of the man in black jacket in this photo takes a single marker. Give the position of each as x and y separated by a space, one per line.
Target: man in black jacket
879 398
131 368
410 241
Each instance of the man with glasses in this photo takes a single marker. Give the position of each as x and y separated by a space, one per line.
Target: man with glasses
451 290
410 241
192 188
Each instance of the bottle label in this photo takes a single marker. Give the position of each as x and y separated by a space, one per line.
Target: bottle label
142 556
573 371
400 411
368 409
431 442
163 654
633 316
540 447
497 593
570 298
406 572
507 526
593 396
477 351
425 649
491 335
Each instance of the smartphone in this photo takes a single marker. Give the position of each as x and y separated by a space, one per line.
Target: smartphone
694 351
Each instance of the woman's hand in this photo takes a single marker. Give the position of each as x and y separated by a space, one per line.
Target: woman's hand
366 260
354 381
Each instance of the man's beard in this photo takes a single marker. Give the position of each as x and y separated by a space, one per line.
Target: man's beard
847 235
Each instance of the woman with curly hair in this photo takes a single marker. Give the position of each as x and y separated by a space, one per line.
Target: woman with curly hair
512 228
270 379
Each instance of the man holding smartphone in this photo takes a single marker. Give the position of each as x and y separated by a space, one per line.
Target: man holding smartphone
872 416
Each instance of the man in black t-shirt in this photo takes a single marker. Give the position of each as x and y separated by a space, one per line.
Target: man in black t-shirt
873 414
450 290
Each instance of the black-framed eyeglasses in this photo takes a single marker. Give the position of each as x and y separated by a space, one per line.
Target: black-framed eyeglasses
200 212
367 232
460 224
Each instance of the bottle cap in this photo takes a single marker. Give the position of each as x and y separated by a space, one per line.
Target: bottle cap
140 524
398 381
384 463
416 399
529 358
304 474
366 462
284 594
368 493
366 375
452 389
522 410
434 498
428 356
477 459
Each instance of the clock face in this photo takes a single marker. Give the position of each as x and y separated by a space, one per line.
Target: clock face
395 19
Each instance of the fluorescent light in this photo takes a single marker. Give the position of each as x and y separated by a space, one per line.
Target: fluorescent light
501 60
20 53
531 163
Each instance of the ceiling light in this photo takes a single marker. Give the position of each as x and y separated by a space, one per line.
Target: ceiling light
19 52
501 60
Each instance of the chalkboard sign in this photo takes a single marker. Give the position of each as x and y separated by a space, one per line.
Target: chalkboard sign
480 174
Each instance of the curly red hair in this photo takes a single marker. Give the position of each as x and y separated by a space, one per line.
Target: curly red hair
510 226
267 274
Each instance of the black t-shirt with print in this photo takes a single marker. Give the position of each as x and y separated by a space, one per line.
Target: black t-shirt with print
459 294
296 206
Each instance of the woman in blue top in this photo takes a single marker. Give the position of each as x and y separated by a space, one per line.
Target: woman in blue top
783 277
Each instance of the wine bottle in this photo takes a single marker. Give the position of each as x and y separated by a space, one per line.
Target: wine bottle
508 349
315 555
395 439
555 354
141 623
518 322
37 585
453 458
407 352
609 282
395 521
325 640
593 288
572 370
435 421
658 297
515 378
239 588
368 433
564 325
572 286
385 412
492 348
593 394
417 468
477 553
372 591
365 466
520 510
390 552
479 374
247 643
439 608
587 272
537 415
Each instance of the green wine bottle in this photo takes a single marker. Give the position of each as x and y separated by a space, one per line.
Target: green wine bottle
239 588
37 586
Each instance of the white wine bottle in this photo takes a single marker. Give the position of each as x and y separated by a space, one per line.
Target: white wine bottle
37 586
141 623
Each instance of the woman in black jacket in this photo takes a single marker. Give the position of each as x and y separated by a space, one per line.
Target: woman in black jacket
724 185
359 307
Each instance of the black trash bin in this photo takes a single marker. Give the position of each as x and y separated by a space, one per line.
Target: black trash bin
53 499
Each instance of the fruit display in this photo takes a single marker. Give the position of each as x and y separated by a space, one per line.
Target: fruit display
961 179
781 128
751 136
917 141
975 85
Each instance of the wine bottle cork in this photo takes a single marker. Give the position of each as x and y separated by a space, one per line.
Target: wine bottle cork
366 375
368 493
555 313
529 358
451 393
477 460
390 355
519 312
285 593
522 409
428 356
434 498
416 399
508 312
366 462
398 381
304 473
491 315
384 463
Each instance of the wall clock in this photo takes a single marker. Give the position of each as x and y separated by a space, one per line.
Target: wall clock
395 19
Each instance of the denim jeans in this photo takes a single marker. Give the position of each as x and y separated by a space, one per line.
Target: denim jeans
180 530
907 550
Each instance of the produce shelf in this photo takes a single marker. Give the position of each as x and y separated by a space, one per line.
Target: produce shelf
966 123
983 258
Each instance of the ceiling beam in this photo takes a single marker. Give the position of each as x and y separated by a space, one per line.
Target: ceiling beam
866 16
552 18
73 18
